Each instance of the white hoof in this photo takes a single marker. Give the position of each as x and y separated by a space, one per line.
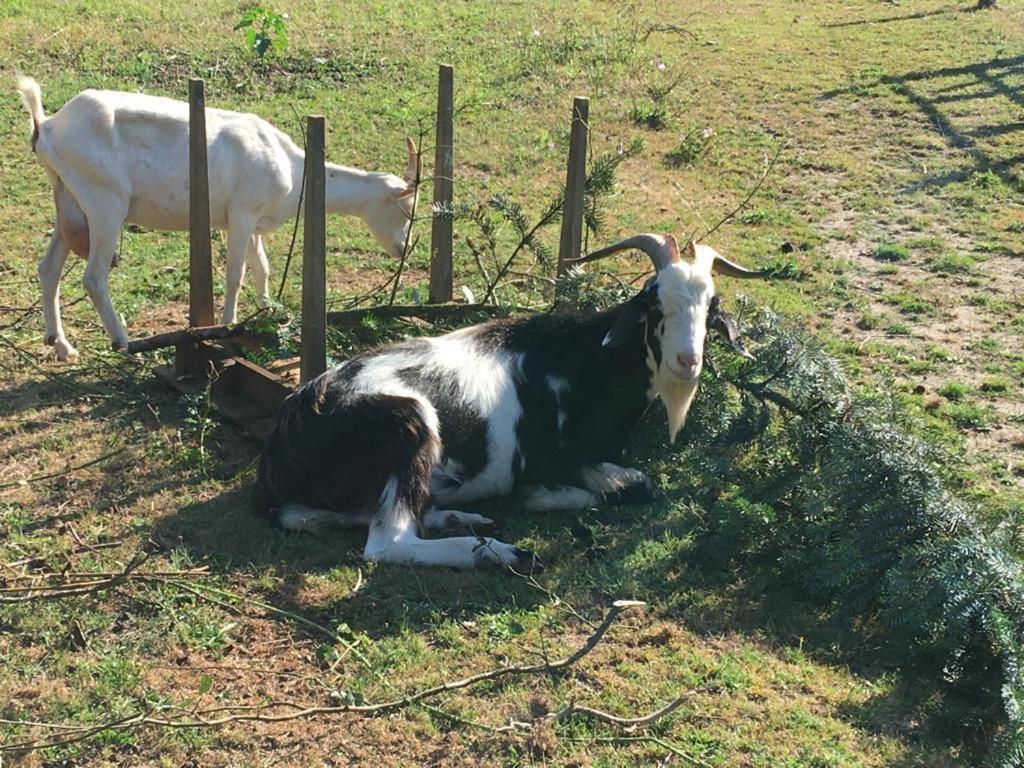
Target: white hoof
263 301
64 350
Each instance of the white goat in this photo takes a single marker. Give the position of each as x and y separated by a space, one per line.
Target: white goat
116 158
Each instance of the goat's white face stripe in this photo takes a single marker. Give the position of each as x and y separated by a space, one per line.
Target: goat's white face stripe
684 293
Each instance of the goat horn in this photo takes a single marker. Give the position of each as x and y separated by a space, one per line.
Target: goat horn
661 248
723 266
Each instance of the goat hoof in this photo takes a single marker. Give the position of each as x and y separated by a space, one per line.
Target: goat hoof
50 339
64 350
119 346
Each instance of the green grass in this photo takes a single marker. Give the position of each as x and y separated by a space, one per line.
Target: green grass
953 390
993 384
968 415
864 165
952 263
892 252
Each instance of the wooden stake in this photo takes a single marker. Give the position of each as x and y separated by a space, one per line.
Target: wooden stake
441 228
200 268
314 256
571 242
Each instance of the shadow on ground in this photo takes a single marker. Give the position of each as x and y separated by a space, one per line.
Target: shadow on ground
926 91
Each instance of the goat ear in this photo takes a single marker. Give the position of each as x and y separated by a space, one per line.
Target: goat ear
723 324
632 313
691 249
412 166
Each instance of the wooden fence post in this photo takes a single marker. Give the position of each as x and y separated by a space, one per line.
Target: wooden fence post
441 226
571 241
200 268
314 256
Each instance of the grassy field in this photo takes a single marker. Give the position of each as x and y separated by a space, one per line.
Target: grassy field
893 221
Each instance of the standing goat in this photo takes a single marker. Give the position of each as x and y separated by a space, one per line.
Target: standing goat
116 158
542 405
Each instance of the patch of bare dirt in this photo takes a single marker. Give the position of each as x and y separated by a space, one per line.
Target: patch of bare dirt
956 327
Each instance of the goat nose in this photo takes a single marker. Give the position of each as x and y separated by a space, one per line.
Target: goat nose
688 362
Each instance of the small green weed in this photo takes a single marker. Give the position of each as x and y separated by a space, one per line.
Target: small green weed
953 390
938 354
649 115
968 415
868 321
892 252
264 30
952 263
910 303
696 145
995 384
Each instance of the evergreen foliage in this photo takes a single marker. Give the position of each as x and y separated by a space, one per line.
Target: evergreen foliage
836 495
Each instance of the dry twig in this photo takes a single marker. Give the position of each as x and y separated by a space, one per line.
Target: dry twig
69 470
272 710
753 191
73 588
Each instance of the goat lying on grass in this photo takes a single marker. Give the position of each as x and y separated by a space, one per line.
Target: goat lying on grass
542 405
116 158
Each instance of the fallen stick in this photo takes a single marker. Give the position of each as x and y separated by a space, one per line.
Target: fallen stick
50 475
265 712
79 589
172 338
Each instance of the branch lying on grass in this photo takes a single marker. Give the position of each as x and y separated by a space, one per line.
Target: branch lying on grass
161 340
735 211
673 28
221 597
216 716
93 577
648 739
73 588
76 550
626 723
80 389
69 470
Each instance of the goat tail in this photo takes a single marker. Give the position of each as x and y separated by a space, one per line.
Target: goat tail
33 99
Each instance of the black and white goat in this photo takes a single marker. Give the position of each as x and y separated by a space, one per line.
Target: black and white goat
540 405
116 158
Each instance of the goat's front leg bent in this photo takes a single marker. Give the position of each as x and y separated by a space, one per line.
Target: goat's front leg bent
393 539
620 485
50 268
602 482
541 498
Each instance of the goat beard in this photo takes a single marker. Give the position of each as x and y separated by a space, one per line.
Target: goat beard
676 395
